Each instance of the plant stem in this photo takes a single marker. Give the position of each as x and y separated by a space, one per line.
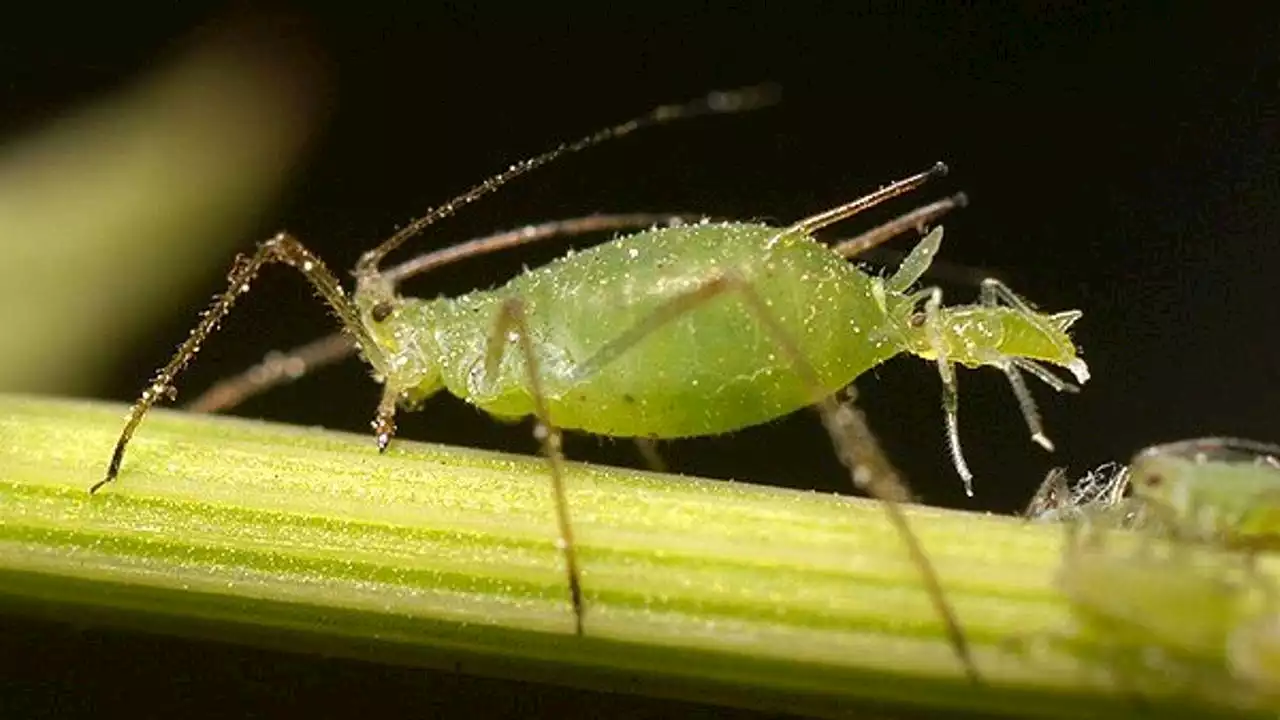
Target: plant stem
715 591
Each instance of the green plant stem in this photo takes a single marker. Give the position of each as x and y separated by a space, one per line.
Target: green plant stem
715 591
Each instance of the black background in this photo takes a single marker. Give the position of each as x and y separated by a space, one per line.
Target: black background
1120 161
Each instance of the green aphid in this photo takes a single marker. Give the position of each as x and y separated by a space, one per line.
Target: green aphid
1253 654
673 332
1165 618
1219 490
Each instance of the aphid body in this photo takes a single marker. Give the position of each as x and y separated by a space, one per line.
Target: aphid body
1220 490
1166 618
715 368
1253 653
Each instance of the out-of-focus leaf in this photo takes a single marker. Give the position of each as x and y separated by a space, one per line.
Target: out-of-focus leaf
108 212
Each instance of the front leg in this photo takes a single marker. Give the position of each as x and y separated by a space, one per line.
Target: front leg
931 319
384 421
282 248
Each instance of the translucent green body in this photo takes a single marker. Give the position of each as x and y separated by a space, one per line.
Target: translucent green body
1166 618
1253 653
714 369
1221 490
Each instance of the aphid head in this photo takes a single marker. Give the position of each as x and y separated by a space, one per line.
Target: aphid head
1167 472
403 356
1156 477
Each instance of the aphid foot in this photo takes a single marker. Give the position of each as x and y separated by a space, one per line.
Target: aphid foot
113 468
575 597
384 428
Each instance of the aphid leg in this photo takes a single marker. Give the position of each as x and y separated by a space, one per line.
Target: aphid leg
648 449
875 473
932 319
512 318
384 420
277 368
1043 375
1027 404
856 446
912 268
1051 498
280 368
1116 487
994 292
283 248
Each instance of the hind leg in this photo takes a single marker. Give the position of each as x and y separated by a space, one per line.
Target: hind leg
511 319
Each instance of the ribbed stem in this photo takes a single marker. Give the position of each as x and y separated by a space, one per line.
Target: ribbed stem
282 536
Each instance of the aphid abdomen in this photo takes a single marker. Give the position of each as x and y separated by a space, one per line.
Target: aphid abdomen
1260 527
1161 617
714 369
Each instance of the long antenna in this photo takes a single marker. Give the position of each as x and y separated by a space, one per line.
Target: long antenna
825 218
531 234
716 103
917 219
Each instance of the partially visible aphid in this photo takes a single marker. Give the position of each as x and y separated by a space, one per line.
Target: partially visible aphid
1253 653
1219 490
672 332
1099 498
1162 619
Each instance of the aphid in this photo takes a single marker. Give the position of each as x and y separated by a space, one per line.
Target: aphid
1160 618
1220 490
671 332
1253 653
282 367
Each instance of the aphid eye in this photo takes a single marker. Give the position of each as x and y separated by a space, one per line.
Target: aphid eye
1154 480
381 311
916 320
